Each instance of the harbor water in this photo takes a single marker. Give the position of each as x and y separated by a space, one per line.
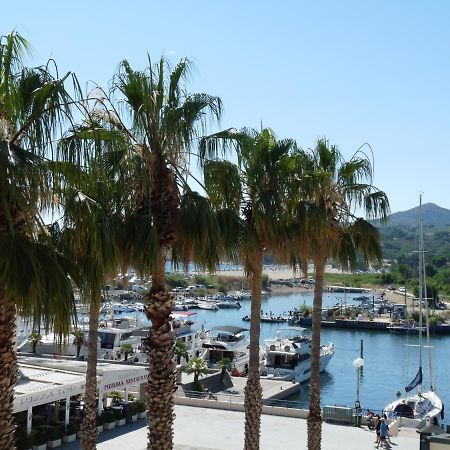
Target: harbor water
390 361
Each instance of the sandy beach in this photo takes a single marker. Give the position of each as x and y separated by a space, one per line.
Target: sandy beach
277 273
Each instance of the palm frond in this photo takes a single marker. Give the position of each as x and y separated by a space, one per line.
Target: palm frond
36 278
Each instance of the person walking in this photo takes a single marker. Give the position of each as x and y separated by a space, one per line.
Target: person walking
377 428
384 432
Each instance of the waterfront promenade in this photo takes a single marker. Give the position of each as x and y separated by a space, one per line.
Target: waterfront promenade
212 429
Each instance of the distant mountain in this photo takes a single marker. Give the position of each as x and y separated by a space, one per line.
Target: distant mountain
433 215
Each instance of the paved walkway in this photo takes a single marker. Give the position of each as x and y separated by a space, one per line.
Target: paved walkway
210 429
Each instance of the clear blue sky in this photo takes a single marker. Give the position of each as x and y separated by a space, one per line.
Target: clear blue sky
355 72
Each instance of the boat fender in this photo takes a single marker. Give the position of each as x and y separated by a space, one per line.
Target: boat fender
442 412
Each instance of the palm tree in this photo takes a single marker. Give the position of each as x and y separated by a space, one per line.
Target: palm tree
33 277
164 121
253 189
198 366
330 189
126 349
79 339
181 351
90 234
224 364
34 339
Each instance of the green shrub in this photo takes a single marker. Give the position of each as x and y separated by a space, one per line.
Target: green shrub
71 428
100 420
116 397
139 406
305 310
201 279
110 417
198 386
54 433
24 440
175 280
40 438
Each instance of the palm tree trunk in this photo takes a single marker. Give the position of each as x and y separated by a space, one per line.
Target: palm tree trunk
8 367
314 416
304 266
160 345
89 426
253 390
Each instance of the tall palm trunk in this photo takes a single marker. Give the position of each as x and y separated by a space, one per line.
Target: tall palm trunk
314 416
89 426
253 390
8 367
162 369
304 266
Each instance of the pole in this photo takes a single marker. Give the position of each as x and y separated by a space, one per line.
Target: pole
357 385
357 403
361 351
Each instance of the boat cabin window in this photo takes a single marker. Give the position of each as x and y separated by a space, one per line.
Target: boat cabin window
125 336
106 339
284 361
216 355
227 337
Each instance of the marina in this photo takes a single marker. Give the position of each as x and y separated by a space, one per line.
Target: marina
389 362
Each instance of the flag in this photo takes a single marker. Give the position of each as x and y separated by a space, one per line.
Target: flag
417 380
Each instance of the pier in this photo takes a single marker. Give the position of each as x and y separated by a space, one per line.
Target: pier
217 429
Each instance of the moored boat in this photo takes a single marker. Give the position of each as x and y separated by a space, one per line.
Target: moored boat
288 357
227 342
424 407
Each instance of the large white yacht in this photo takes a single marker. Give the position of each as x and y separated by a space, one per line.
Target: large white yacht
288 357
227 342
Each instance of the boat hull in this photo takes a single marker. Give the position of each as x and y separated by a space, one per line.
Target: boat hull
302 371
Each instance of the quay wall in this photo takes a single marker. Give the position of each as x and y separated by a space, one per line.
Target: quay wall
234 406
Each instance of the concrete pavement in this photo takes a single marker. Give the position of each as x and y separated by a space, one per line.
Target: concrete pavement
212 429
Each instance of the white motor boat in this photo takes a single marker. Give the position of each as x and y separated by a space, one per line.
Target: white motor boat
113 335
288 357
227 342
208 305
188 333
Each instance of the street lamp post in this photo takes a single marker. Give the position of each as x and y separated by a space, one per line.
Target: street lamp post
357 364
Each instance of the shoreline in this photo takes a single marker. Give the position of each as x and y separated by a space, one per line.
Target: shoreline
287 274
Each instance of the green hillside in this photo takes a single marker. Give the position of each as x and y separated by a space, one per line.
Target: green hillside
403 239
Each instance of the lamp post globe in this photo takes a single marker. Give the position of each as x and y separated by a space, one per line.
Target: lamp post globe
358 363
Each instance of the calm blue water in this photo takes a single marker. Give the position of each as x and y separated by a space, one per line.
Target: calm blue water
390 361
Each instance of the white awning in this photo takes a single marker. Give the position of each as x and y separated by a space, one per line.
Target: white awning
47 380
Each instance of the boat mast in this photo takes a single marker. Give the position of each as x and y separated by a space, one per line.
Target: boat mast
421 273
427 318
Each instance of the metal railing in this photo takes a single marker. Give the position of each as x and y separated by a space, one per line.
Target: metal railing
290 404
237 398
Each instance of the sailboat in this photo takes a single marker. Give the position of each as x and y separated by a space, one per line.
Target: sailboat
424 407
